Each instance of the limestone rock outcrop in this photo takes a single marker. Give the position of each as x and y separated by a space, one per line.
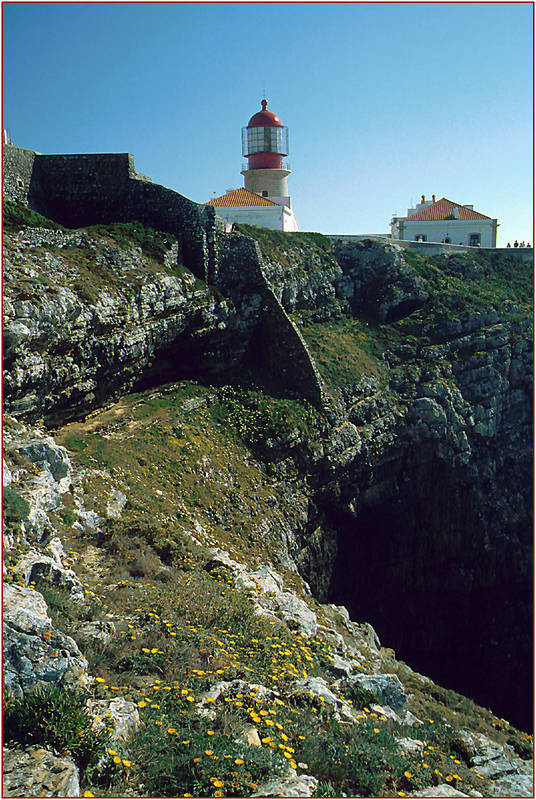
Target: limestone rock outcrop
34 651
35 772
377 280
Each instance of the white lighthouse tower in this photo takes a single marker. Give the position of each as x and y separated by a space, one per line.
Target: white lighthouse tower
264 201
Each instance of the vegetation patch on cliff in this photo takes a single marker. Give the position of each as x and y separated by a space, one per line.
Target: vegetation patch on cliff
17 216
185 454
345 349
272 242
463 283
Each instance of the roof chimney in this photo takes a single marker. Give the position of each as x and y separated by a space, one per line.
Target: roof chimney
433 198
423 198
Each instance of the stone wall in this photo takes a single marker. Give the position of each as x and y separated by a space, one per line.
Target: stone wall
277 345
80 190
89 189
285 354
17 172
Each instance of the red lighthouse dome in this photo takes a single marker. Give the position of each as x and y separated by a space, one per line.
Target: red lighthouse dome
265 140
264 118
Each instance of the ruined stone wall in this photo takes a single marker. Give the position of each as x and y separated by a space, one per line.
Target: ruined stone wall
80 190
285 354
89 189
278 344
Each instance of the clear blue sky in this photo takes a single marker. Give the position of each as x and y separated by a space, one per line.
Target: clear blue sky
384 101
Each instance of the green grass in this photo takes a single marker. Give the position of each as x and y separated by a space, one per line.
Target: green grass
271 242
344 349
154 243
258 419
177 638
17 216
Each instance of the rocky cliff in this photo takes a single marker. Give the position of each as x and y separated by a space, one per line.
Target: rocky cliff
203 476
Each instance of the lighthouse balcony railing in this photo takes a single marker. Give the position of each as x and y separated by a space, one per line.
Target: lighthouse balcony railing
285 164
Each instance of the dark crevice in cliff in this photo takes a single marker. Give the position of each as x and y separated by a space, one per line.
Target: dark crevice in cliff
420 567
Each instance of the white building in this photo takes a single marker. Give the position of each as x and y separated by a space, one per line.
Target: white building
241 205
264 200
445 221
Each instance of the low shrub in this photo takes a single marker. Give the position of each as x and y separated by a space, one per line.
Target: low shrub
143 663
523 747
15 507
179 756
61 608
56 718
361 697
359 761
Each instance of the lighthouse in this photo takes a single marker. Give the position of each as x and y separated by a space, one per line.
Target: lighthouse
264 201
265 144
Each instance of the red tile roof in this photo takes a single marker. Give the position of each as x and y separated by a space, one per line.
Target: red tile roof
444 209
240 197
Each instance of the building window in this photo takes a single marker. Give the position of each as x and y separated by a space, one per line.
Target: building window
420 237
474 240
265 194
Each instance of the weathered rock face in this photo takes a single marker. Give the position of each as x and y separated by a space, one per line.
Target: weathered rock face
68 347
73 343
35 653
437 507
376 280
35 772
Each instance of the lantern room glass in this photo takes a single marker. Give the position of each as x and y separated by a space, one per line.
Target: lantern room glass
265 140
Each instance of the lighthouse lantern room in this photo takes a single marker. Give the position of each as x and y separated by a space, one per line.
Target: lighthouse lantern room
265 140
